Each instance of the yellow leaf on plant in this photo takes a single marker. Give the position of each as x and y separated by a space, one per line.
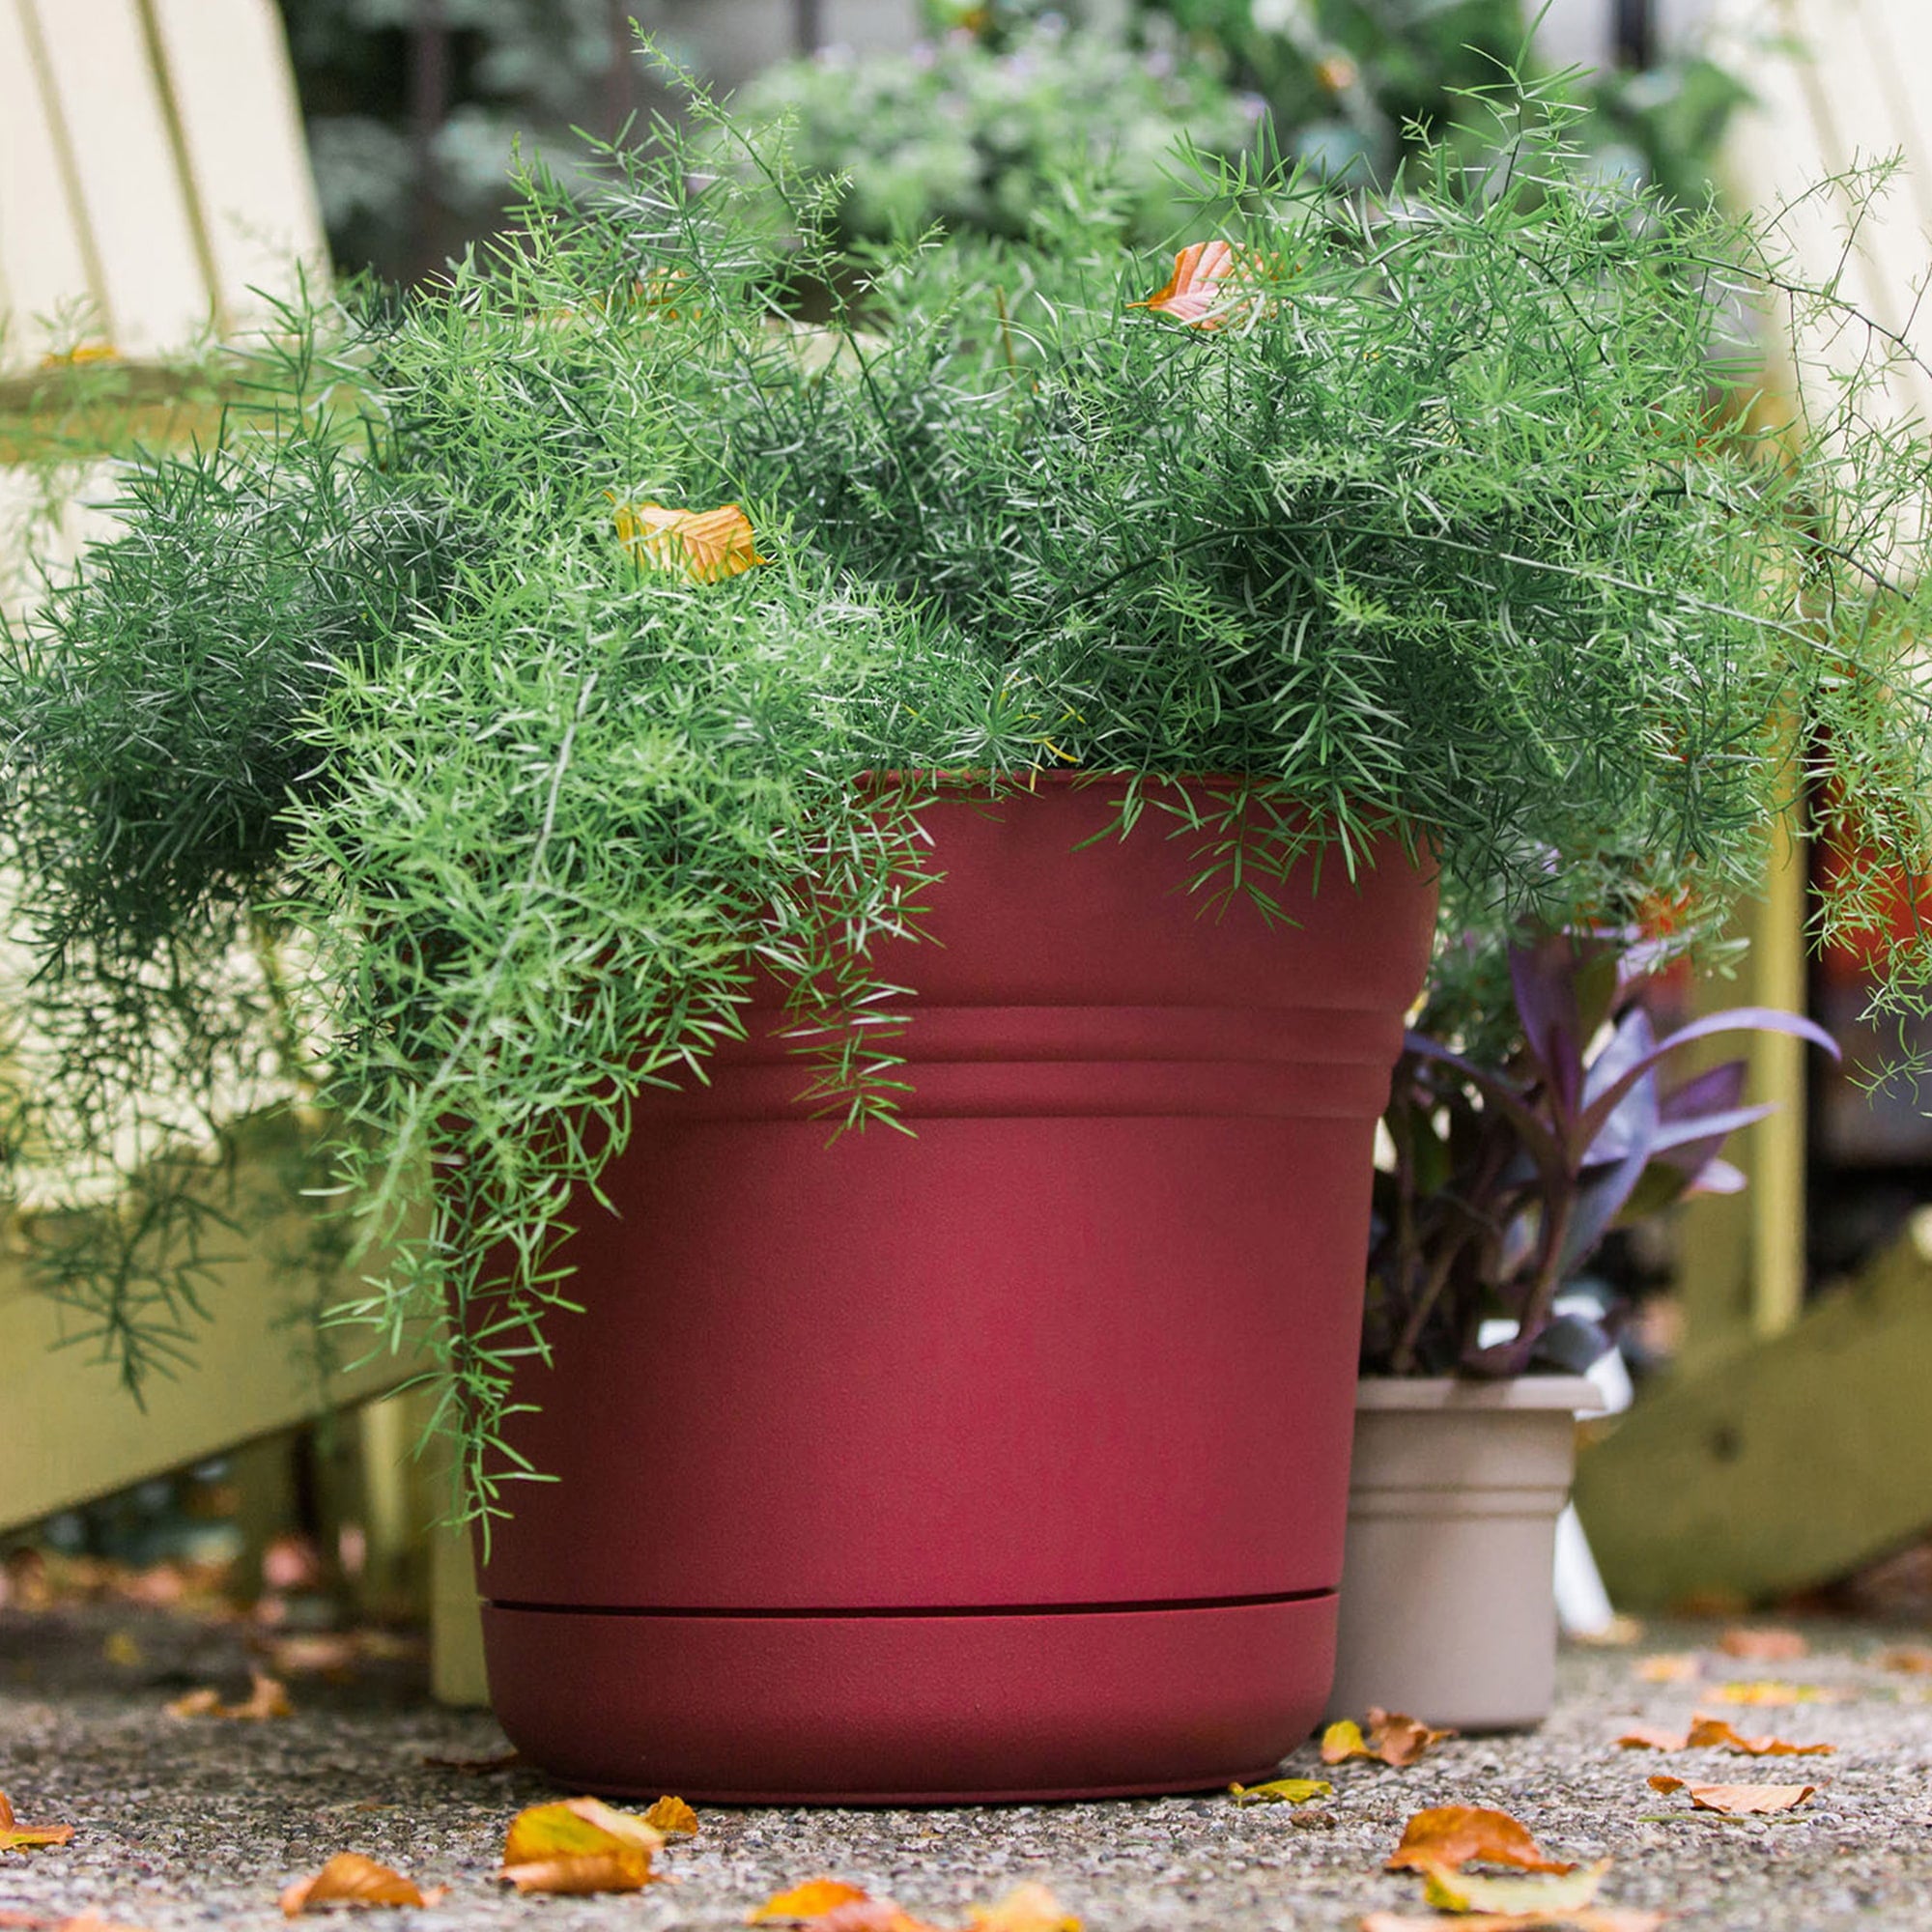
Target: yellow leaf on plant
673 1817
1450 1836
577 1827
1027 1908
1464 1892
351 1879
812 1899
1737 1801
1281 1791
18 1837
703 546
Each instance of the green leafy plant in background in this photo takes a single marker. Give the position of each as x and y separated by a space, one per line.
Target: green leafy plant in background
981 135
442 750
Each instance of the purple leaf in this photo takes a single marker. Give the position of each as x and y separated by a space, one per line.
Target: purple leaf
1544 978
1738 1019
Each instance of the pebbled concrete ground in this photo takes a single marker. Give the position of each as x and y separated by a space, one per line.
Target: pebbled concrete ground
190 1823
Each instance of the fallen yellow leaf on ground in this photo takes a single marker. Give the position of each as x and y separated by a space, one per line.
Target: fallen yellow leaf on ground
812 1899
1027 1908
1770 1691
267 1698
18 1837
1281 1791
579 1845
1450 1836
1737 1801
1589 1918
1543 1897
351 1879
673 1816
1764 1646
703 546
1392 1738
580 1873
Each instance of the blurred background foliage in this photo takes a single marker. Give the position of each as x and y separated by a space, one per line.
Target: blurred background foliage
412 105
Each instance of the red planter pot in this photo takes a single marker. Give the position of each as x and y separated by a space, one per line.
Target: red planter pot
1010 1460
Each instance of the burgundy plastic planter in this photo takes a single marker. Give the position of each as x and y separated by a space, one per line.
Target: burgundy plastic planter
1010 1460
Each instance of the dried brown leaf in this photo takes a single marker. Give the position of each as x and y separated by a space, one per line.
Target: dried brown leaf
1737 1801
1450 1836
1392 1738
1203 291
673 1817
1913 1660
578 1873
351 1879
1654 1737
1716 1733
1764 1646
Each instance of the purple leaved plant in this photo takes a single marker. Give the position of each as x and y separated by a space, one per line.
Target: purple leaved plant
1509 1171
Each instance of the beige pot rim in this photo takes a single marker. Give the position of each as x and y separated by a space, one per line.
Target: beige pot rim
1578 1394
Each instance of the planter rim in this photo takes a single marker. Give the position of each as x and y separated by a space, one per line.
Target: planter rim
1578 1394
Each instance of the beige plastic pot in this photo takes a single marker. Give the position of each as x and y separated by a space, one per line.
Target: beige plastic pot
1448 1605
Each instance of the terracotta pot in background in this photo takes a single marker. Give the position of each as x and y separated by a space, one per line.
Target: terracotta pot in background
1009 1459
1448 1599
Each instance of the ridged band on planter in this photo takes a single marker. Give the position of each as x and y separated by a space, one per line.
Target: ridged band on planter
1009 1460
1448 1593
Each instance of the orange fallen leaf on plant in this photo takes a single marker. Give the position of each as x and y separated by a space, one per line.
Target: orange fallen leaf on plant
579 1845
1392 1738
1678 1668
1764 1646
673 1817
1450 1836
1737 1801
18 1837
351 1879
267 1698
703 546
1205 275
